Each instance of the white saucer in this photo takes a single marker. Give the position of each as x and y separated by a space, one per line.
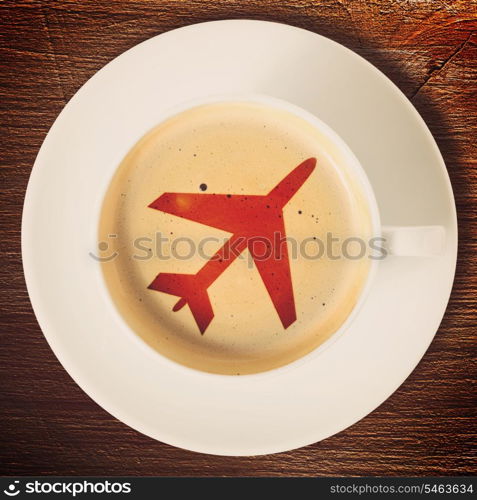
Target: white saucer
230 416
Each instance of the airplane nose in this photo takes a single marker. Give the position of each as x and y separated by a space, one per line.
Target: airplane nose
308 165
285 189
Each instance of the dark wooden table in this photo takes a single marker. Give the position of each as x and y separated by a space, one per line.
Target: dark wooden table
49 49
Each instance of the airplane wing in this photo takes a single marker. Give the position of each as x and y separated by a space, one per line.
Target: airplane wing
223 211
274 269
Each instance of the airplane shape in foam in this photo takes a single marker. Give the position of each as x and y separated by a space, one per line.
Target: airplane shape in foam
256 223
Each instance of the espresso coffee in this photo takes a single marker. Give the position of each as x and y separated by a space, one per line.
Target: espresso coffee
233 237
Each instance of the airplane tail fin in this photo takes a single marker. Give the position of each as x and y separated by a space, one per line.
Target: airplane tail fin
285 189
190 291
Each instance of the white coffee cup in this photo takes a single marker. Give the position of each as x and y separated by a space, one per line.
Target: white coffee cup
424 241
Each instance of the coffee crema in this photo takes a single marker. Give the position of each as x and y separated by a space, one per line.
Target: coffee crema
198 188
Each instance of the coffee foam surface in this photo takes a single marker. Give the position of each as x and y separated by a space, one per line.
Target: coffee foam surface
236 148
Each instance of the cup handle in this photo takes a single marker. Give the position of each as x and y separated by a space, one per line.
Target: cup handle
414 241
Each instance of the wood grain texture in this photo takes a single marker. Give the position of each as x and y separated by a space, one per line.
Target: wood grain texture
49 49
